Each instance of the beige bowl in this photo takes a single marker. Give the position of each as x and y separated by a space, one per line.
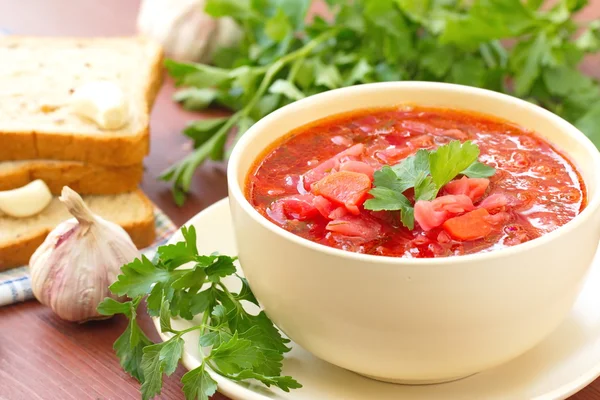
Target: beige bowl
415 320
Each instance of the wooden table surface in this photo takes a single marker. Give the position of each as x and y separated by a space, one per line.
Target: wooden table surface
42 357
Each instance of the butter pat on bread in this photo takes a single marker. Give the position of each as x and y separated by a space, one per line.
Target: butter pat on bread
38 77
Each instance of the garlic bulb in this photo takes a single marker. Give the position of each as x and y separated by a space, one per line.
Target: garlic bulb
185 31
72 270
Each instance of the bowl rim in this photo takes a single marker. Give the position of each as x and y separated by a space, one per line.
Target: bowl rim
236 191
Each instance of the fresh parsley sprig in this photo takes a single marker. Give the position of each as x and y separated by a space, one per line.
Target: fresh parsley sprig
237 344
426 172
282 58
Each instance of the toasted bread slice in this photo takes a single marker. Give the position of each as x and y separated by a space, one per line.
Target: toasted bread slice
81 177
37 78
20 237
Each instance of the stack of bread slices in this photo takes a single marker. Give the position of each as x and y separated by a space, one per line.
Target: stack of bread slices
74 112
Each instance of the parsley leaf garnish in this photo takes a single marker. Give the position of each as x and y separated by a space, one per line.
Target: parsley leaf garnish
197 384
388 199
478 170
238 345
449 160
130 345
426 172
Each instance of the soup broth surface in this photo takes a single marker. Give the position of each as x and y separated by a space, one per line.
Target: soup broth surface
541 187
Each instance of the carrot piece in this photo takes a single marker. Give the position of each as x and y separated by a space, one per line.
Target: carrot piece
345 188
470 226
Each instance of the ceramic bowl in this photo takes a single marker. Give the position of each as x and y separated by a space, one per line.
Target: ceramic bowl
415 320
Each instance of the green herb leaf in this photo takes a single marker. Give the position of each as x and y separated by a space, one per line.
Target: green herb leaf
468 71
182 252
191 278
528 58
240 344
239 9
202 130
387 177
202 301
110 306
221 267
478 170
138 277
286 88
589 123
589 41
388 199
218 314
214 338
359 72
435 58
450 160
165 317
409 171
284 383
327 75
195 99
197 384
235 354
246 293
278 27
425 189
156 360
129 346
488 20
197 75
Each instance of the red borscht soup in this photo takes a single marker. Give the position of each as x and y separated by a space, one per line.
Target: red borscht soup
392 182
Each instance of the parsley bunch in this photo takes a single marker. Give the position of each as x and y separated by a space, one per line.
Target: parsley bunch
282 59
426 172
238 345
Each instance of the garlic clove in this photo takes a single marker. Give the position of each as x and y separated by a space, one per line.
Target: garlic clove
25 201
103 102
185 31
72 270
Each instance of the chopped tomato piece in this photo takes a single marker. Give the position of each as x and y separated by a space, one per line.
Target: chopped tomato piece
473 187
455 134
358 166
298 207
418 127
494 201
331 164
431 214
350 225
276 213
338 213
470 226
392 155
427 216
324 206
421 142
342 141
443 237
319 172
454 204
345 188
501 217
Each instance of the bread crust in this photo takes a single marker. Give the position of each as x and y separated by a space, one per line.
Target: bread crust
110 149
83 178
18 253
